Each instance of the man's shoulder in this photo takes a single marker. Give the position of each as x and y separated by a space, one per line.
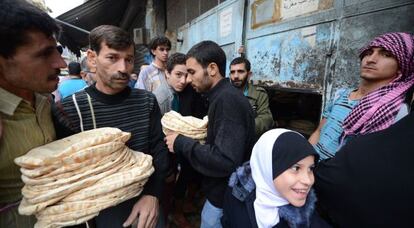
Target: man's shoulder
70 100
141 93
148 70
254 89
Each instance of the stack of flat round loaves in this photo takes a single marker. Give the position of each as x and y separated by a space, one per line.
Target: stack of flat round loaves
68 181
189 126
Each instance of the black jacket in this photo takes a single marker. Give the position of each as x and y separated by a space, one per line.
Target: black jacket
230 138
192 103
370 181
240 214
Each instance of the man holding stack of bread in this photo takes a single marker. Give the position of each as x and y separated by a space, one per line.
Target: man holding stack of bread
29 69
230 130
110 102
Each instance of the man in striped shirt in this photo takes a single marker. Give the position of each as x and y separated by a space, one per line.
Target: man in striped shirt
112 103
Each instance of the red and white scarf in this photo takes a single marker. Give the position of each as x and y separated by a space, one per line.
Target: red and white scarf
378 109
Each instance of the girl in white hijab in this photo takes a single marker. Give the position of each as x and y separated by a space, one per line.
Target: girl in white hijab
281 166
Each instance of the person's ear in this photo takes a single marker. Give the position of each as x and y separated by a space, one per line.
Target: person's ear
167 75
153 52
212 69
91 57
249 75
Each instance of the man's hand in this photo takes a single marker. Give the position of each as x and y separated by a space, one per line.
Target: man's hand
169 140
147 209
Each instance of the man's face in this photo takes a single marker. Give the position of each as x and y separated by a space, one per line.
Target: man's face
113 68
35 66
161 53
378 64
198 76
239 75
177 78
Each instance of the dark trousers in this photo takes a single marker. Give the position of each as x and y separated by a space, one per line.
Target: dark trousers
114 217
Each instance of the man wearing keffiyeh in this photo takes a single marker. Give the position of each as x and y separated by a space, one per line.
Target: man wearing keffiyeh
378 109
386 75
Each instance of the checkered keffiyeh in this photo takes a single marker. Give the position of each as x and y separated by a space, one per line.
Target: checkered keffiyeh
378 109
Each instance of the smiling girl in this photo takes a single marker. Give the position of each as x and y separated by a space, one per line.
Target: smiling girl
275 188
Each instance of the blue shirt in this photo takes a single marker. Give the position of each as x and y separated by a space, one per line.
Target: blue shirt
71 86
335 113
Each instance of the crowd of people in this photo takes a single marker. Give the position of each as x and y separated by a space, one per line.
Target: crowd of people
353 171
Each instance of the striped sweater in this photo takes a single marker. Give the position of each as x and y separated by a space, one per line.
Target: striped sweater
132 110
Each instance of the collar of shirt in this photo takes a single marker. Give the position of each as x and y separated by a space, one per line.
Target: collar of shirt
246 90
215 91
8 102
158 67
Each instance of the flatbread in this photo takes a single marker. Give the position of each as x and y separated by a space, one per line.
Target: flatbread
67 171
139 172
52 152
186 125
39 193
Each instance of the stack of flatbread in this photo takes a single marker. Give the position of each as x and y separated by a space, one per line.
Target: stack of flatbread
69 181
185 125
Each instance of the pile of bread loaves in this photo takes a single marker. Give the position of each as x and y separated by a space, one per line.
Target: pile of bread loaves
69 181
185 125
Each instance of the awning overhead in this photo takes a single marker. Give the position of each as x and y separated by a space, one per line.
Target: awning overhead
127 14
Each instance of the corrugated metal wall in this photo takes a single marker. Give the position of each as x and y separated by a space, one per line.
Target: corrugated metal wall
300 45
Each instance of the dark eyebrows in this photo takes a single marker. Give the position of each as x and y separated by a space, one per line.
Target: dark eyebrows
46 51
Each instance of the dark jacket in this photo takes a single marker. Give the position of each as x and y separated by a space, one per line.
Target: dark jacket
238 208
230 138
369 182
259 101
192 103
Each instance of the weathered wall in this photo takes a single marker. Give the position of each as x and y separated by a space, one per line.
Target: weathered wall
222 24
180 12
300 45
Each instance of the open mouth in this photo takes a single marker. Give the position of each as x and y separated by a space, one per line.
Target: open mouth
302 193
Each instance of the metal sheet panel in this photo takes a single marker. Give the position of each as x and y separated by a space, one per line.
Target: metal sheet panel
292 59
356 31
222 24
283 58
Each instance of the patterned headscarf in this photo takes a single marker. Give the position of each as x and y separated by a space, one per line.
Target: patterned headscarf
377 110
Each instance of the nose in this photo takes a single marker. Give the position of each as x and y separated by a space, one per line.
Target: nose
372 57
122 66
188 79
58 62
307 178
183 80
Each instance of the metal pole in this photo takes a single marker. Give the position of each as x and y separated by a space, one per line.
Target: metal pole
72 26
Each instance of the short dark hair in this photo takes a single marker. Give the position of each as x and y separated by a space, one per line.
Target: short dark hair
239 60
18 17
158 41
175 59
74 68
114 37
207 52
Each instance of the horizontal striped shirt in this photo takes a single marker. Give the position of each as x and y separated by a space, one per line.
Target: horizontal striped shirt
335 113
132 110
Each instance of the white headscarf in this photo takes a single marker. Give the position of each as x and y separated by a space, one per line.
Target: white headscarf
268 200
